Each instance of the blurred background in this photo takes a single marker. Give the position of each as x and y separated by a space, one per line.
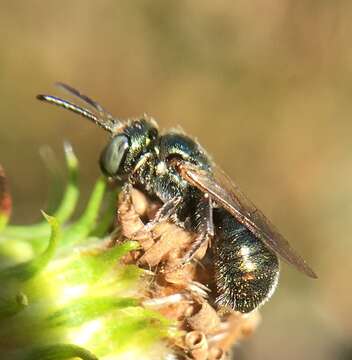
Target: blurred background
265 86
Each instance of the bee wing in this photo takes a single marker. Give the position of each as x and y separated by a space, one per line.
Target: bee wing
227 194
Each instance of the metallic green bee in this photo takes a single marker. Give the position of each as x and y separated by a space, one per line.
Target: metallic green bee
198 197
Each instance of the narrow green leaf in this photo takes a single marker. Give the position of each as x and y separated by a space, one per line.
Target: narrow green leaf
81 229
28 269
86 309
71 195
90 267
107 218
99 264
55 175
134 327
60 352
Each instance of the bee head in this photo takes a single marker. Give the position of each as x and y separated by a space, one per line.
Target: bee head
122 153
129 139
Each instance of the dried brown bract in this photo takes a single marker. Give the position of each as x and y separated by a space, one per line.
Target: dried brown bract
181 293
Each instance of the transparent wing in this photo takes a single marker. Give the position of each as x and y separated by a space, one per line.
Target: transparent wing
227 194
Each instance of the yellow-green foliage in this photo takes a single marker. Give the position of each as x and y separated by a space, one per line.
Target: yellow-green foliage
64 295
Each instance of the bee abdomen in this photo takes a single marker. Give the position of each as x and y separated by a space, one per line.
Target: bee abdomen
246 270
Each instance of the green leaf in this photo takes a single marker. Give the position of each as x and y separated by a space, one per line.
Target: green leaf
86 223
107 218
55 175
60 352
86 309
28 269
88 268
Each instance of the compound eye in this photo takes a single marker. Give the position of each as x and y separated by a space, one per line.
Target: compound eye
114 154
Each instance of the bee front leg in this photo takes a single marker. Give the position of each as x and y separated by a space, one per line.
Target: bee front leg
166 211
128 218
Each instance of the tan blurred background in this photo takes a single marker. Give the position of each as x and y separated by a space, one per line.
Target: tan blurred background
265 86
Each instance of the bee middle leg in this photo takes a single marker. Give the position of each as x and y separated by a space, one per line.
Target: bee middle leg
205 228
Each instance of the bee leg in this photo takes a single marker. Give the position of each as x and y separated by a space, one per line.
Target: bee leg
205 228
163 214
126 192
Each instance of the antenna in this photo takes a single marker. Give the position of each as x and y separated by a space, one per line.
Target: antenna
104 120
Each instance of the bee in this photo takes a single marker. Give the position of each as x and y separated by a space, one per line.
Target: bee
197 196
